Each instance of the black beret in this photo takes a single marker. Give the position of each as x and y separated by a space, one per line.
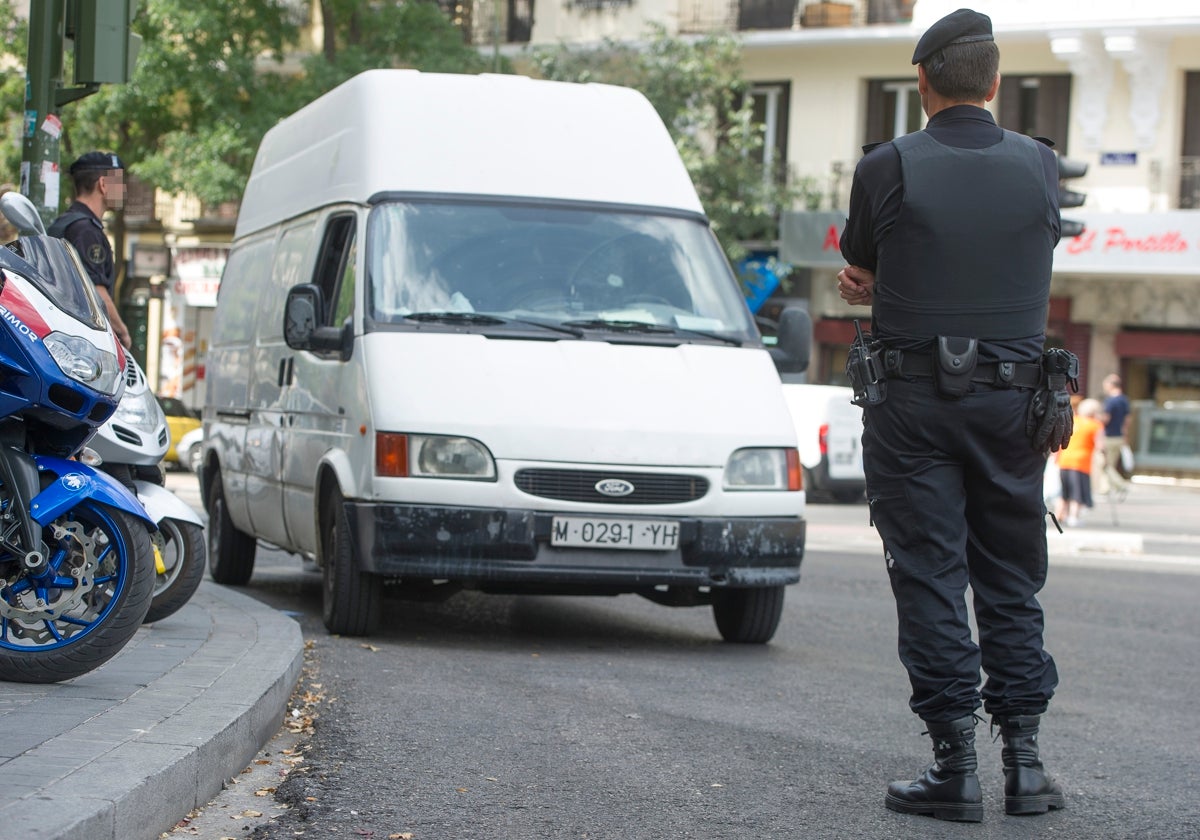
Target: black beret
96 162
962 27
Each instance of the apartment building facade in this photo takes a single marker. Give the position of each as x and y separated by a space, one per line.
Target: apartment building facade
1116 85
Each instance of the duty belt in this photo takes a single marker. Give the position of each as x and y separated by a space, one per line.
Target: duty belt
897 364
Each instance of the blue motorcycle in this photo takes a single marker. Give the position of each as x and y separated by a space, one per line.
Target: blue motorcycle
76 563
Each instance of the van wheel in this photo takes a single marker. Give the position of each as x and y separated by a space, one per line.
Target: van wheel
847 497
230 552
748 616
350 597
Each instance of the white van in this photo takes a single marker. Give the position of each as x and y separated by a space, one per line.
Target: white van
829 434
474 331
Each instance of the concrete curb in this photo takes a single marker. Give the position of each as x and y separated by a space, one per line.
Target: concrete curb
123 753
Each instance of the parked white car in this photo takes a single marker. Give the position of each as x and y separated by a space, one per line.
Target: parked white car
829 435
189 449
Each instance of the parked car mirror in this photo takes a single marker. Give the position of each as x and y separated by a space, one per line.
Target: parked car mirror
793 348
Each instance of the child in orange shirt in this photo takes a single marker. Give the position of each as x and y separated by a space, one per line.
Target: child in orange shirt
1075 462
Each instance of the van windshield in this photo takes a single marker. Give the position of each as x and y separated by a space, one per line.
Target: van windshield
579 271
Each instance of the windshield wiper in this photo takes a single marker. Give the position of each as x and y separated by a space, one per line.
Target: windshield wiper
455 318
619 326
547 325
651 329
485 320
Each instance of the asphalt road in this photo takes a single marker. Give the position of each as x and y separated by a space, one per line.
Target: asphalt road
537 717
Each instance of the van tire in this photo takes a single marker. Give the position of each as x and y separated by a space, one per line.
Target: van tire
349 596
748 616
230 551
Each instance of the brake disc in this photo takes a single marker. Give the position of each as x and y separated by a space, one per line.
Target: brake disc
80 563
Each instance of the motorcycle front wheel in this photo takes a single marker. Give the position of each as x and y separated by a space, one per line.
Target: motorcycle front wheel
178 565
77 609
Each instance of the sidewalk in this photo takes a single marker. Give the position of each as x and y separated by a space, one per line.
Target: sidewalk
124 752
1154 528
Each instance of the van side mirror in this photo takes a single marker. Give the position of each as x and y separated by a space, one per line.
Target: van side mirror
793 348
303 319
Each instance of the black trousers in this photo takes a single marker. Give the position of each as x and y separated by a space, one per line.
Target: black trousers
956 494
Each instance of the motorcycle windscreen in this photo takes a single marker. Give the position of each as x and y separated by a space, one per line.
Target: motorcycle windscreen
52 265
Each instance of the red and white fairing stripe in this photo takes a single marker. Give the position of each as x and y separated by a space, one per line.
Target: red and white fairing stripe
35 316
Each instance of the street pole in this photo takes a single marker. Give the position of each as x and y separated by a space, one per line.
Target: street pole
40 177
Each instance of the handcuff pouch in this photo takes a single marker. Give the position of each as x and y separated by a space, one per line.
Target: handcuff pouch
954 365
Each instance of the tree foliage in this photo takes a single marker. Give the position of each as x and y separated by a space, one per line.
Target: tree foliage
213 75
697 88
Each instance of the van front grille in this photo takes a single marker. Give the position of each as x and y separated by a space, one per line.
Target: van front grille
581 486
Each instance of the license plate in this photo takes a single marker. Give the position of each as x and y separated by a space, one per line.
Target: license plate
579 532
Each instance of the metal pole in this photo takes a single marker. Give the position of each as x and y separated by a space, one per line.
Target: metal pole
40 180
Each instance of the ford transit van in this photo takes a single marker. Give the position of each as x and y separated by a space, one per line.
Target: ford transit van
475 332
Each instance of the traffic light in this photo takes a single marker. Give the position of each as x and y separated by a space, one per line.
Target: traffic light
106 46
1068 169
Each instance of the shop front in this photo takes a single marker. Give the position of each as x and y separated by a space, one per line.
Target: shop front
1125 298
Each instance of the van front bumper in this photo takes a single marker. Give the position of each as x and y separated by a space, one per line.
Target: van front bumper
488 545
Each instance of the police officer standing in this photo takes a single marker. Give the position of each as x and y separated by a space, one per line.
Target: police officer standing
950 240
99 186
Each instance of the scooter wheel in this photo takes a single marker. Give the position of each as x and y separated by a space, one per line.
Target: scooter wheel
180 548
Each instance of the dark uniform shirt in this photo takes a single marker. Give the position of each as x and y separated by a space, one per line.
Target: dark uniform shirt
877 195
87 235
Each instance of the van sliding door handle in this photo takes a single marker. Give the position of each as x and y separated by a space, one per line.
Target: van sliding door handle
285 371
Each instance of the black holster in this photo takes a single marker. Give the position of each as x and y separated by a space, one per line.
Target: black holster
954 366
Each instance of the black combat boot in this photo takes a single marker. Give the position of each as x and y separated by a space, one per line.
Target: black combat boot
949 789
1028 789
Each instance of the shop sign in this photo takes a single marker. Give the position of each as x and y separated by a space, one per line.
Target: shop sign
1112 243
1132 243
811 239
197 274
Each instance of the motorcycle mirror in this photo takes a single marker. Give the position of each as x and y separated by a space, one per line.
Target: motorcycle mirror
21 214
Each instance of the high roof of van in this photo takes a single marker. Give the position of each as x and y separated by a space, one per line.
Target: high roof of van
402 131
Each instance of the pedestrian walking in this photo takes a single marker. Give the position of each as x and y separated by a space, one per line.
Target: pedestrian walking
1075 464
949 240
1116 416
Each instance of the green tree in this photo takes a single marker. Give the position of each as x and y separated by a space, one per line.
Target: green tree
387 33
206 87
12 90
213 75
697 88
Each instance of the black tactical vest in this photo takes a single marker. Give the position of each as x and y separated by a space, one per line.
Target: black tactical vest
971 251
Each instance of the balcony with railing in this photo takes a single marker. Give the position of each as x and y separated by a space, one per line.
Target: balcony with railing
512 21
699 16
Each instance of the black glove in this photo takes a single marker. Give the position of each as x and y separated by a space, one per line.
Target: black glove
1050 420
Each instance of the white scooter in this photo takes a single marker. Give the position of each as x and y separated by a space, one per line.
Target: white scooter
129 446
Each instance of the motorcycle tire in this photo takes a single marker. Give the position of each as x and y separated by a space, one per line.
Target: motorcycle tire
87 603
180 546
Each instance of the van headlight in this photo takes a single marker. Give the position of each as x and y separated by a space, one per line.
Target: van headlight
763 469
84 362
432 456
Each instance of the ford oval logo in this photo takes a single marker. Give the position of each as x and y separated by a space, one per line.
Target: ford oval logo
614 487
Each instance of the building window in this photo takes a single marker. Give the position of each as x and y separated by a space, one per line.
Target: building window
520 21
1038 106
769 101
893 109
1189 176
